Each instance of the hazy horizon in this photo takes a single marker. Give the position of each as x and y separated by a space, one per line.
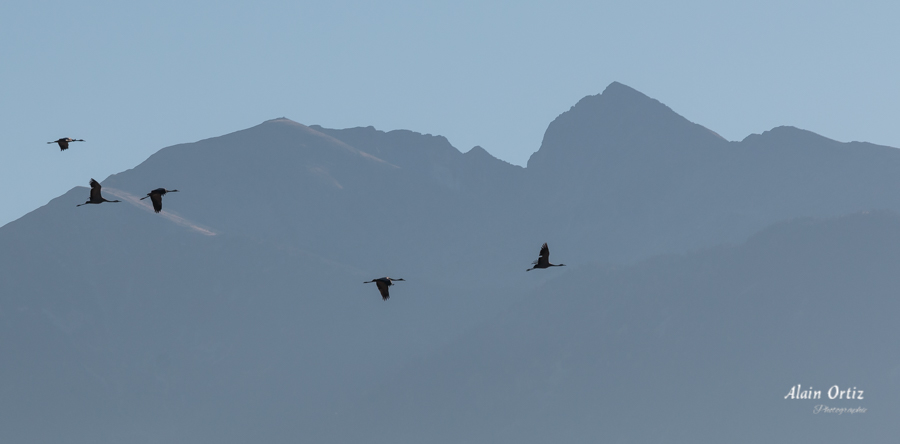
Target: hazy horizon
720 180
704 280
132 79
76 146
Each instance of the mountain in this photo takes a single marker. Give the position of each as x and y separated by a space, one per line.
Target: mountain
621 125
239 312
627 175
701 347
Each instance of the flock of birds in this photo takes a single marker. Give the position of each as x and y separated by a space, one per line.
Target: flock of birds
97 198
543 260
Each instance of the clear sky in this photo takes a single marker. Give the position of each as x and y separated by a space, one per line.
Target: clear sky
134 77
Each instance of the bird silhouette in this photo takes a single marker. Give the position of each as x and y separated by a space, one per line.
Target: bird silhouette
156 197
383 284
96 198
543 260
64 143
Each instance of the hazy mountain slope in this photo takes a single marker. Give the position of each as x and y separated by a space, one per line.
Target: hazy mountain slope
239 313
292 185
119 325
240 309
434 158
628 176
695 348
810 173
476 200
620 174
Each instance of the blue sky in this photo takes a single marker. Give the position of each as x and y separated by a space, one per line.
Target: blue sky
132 78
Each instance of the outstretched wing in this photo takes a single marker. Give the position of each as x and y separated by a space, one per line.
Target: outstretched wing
544 257
383 288
63 144
156 198
95 190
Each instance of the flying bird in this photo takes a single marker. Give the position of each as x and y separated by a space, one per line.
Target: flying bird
64 143
96 198
383 284
156 197
544 259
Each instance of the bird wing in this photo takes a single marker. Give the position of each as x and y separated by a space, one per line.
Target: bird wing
544 257
156 198
383 288
95 190
63 144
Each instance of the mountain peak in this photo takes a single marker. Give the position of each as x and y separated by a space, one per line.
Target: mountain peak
477 150
787 135
620 90
277 119
613 124
618 97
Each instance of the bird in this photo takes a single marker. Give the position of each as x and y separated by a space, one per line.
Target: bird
156 197
64 143
543 260
383 284
96 198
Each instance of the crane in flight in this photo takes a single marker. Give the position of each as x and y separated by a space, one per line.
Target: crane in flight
156 197
383 284
96 198
64 142
543 260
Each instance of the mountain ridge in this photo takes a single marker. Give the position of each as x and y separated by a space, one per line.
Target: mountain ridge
110 314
